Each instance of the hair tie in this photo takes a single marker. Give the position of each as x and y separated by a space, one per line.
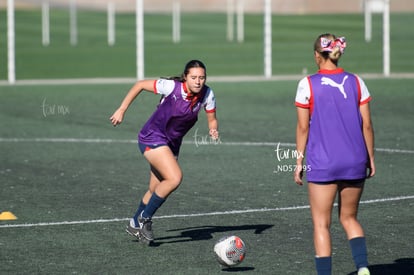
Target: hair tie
328 45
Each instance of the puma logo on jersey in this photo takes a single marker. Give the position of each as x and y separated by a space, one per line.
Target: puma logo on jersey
330 82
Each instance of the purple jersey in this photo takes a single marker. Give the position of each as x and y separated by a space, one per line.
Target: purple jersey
175 115
336 147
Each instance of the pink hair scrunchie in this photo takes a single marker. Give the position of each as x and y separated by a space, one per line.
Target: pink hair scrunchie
328 45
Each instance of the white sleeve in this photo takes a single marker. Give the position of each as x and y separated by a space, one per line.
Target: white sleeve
209 102
164 86
365 95
303 93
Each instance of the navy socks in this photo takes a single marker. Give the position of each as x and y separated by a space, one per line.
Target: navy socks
359 252
148 210
154 203
141 208
323 265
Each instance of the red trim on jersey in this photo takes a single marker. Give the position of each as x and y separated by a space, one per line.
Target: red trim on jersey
335 71
311 96
365 101
155 87
306 106
360 94
192 96
359 88
211 111
185 88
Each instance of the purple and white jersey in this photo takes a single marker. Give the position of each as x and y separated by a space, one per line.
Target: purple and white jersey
176 113
336 147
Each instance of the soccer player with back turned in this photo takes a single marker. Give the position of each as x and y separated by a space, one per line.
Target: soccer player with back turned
334 126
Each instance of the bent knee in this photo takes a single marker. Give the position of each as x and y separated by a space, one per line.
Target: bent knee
175 180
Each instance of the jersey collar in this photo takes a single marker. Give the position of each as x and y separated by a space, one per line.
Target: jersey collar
336 71
189 95
192 97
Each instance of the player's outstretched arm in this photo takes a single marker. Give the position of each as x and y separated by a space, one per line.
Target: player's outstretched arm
138 87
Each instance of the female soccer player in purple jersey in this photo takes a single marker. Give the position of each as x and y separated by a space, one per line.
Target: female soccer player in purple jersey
160 138
334 126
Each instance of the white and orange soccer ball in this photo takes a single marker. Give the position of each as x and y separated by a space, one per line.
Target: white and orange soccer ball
230 251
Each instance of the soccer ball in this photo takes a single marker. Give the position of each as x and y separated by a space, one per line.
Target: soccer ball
230 251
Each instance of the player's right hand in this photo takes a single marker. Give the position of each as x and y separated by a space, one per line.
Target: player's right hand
298 174
117 117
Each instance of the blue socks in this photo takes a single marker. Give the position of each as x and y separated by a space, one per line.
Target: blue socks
141 208
323 265
148 210
359 252
154 203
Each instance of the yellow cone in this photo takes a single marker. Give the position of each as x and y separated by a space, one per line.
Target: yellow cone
6 215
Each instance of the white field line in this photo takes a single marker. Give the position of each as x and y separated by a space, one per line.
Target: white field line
201 143
233 212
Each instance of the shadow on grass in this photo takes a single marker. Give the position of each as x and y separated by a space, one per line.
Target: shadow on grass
403 266
238 269
200 233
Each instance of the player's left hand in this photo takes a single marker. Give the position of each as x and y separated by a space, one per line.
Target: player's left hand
214 134
371 169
